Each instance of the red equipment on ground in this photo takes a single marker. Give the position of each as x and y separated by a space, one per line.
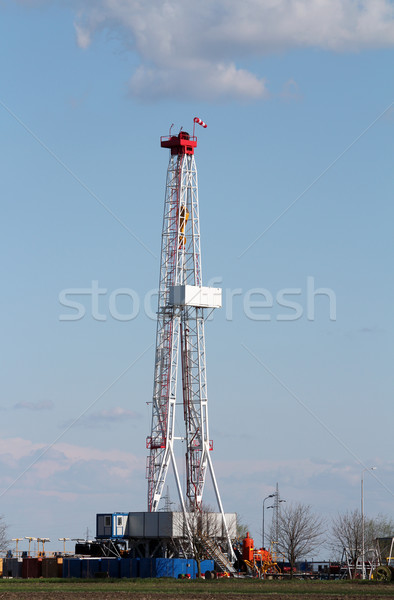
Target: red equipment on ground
250 553
258 560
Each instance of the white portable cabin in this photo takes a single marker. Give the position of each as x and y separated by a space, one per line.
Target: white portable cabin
111 525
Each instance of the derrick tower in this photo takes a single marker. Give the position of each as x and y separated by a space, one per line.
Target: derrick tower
182 304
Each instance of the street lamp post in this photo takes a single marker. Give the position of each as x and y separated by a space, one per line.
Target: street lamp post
270 496
43 542
363 519
64 540
17 540
31 539
276 507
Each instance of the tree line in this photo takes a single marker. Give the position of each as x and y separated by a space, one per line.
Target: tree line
300 533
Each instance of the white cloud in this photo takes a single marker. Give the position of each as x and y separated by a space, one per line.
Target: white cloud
83 36
209 82
62 464
14 449
193 49
190 49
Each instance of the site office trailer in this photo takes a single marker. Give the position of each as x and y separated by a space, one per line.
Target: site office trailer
111 525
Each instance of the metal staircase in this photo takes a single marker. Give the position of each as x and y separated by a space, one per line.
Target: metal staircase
214 553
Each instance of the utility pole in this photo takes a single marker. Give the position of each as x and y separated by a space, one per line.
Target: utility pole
363 520
275 515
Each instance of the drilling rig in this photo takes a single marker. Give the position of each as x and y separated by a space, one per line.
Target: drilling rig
183 306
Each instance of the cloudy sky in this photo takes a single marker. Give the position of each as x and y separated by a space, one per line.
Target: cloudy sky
295 180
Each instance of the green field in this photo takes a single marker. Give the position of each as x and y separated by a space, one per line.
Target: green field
156 589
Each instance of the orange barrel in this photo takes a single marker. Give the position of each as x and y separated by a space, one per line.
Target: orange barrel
247 548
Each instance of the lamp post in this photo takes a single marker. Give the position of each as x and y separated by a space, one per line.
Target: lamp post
31 539
275 506
363 519
64 540
17 540
43 542
270 496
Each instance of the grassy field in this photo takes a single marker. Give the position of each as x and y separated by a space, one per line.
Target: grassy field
169 589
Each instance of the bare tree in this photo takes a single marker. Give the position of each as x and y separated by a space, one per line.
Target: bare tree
242 528
347 533
4 540
203 528
379 527
299 532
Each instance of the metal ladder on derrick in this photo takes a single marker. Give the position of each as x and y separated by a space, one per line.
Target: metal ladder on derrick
214 553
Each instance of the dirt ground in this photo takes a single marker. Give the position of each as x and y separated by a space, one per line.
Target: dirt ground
120 595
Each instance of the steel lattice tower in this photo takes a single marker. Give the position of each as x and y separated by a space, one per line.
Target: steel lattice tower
180 336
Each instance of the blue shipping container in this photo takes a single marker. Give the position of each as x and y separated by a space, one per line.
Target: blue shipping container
130 567
89 567
126 567
72 567
172 567
133 567
112 566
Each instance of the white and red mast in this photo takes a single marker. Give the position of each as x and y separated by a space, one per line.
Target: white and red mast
180 335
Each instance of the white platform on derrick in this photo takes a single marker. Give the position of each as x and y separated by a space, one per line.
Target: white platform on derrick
193 295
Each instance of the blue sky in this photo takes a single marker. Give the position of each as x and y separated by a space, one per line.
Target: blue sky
298 97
